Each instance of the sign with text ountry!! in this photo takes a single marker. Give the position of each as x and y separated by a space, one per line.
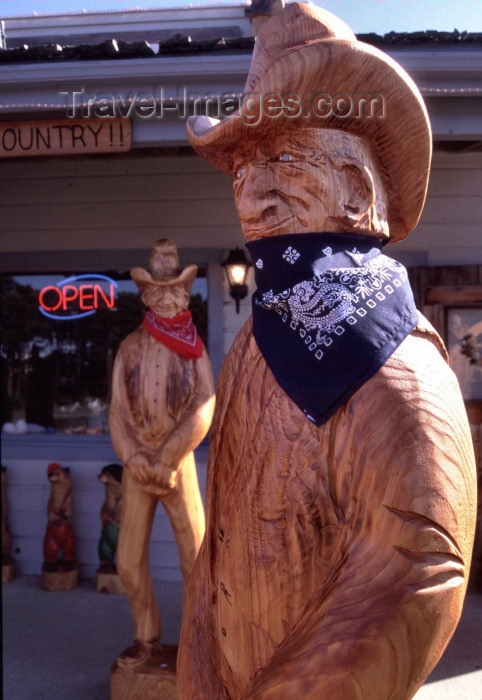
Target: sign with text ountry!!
64 137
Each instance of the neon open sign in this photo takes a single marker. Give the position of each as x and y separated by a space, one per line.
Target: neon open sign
77 297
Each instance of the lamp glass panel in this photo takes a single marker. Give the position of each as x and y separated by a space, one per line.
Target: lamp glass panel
236 274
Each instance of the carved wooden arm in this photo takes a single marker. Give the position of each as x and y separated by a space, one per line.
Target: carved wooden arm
194 423
402 473
121 423
379 630
208 683
160 463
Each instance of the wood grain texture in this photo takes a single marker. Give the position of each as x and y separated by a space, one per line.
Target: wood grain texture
64 137
59 543
154 681
305 53
109 583
336 559
59 580
139 195
8 573
301 181
466 294
155 429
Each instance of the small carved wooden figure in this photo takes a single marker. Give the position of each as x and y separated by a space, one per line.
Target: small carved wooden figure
161 409
7 563
59 569
107 578
341 484
110 515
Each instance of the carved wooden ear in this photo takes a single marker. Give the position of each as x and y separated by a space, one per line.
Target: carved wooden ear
359 190
144 296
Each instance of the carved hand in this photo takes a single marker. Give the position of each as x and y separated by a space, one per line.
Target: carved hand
140 468
147 474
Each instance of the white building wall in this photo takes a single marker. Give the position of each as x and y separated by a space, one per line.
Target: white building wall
450 229
28 490
115 203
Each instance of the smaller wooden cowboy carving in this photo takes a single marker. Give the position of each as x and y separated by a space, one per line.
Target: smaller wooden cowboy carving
59 571
161 409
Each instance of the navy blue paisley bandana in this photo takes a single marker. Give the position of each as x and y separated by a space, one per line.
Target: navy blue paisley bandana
329 310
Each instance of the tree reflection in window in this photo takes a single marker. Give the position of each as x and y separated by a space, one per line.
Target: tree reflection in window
57 375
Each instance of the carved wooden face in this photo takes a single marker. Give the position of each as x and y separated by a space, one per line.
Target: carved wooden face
55 475
166 300
292 183
59 474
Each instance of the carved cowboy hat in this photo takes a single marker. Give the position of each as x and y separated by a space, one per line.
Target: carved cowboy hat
164 268
307 52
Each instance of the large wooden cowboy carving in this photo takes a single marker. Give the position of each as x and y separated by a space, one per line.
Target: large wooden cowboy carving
341 482
161 409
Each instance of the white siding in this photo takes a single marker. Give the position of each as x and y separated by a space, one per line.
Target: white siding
28 490
450 229
112 203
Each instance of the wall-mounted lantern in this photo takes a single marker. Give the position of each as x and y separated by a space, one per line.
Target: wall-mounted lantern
236 266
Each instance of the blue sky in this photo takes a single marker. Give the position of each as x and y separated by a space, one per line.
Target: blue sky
378 16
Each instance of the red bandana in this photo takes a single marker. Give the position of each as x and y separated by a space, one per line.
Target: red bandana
177 333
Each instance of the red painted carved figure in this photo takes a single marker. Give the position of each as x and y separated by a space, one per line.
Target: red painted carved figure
59 541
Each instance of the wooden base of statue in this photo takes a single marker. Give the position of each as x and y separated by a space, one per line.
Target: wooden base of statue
59 580
109 583
154 680
7 573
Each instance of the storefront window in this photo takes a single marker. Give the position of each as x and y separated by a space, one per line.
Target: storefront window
58 346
